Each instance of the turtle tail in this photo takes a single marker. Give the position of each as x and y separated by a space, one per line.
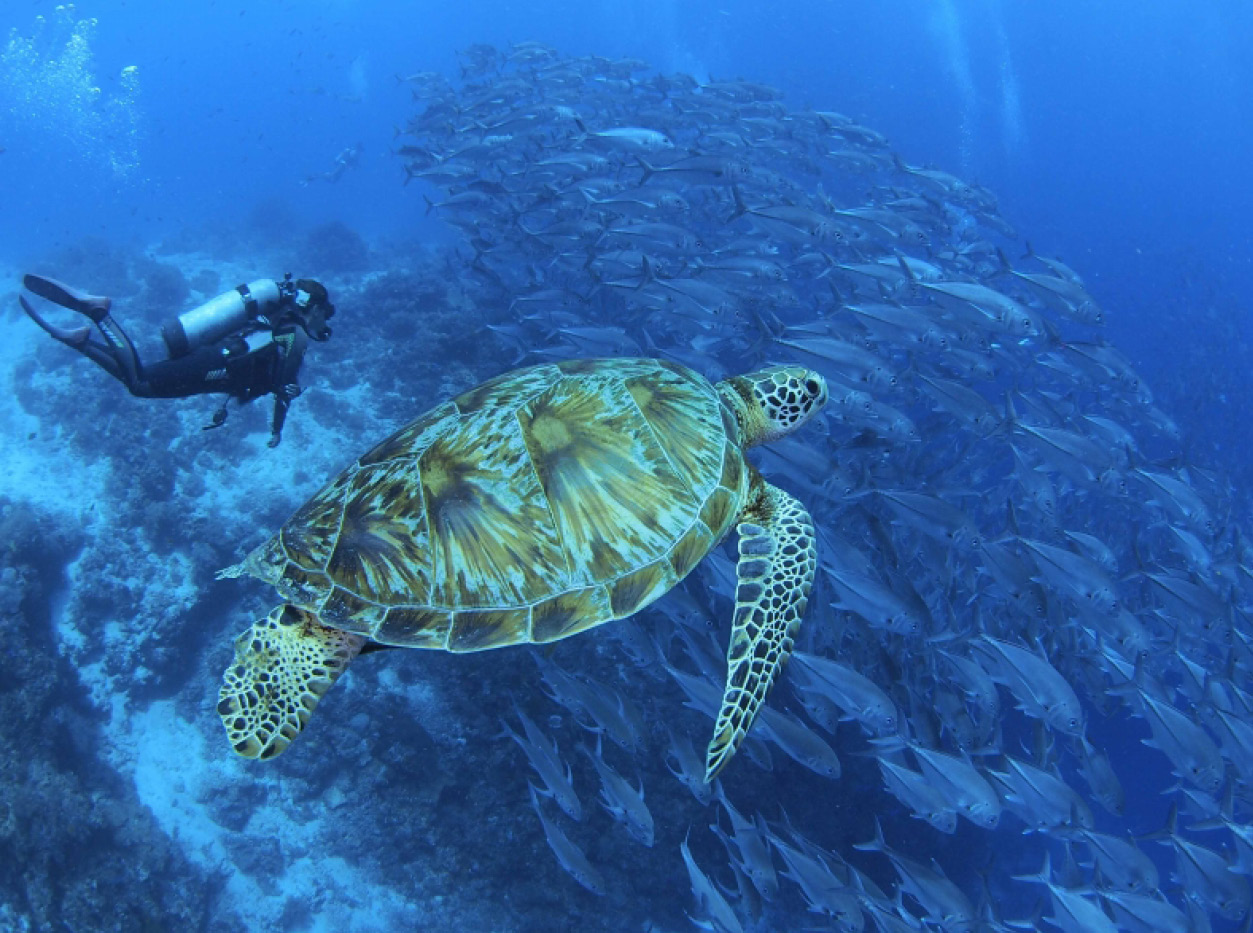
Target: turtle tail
283 666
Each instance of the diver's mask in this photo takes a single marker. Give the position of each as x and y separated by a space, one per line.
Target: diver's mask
313 308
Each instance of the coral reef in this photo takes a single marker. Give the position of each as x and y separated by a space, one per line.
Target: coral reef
336 247
77 849
165 286
143 632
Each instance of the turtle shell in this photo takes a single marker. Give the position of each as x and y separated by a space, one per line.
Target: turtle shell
546 501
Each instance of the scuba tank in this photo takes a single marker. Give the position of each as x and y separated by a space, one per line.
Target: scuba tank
219 316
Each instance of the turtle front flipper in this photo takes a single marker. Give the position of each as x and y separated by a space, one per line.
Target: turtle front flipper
283 666
775 572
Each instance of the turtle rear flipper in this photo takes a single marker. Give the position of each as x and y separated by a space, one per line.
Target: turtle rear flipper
775 571
283 666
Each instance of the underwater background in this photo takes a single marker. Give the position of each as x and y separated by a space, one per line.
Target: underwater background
162 153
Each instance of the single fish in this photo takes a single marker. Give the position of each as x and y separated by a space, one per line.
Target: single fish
569 856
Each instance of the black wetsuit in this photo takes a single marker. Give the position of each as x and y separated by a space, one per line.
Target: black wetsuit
246 365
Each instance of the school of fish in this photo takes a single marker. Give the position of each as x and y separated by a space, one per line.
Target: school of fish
1020 577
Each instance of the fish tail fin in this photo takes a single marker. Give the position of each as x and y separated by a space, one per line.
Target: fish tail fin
1168 831
1011 413
585 299
720 796
648 169
740 207
536 794
1052 335
1043 876
586 750
507 733
877 844
430 205
587 267
1004 260
647 274
1227 807
888 744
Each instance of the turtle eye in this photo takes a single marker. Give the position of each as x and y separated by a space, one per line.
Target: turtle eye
813 387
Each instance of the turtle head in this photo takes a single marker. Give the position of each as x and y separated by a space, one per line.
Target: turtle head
775 401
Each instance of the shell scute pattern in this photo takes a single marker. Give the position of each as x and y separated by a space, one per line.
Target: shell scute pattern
415 437
535 506
301 587
719 511
347 611
383 545
507 391
309 538
569 613
268 561
613 493
494 543
635 590
691 549
680 411
479 629
415 627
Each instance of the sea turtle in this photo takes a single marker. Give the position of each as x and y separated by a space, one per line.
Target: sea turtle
535 506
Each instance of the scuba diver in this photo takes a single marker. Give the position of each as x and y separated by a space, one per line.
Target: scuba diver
347 159
246 343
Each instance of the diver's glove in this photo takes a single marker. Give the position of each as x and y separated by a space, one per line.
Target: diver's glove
291 391
219 419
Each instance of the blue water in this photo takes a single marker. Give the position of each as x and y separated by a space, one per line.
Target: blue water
1117 136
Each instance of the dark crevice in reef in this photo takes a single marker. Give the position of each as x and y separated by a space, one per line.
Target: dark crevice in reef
78 850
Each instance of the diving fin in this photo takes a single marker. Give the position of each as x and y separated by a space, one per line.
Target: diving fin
74 337
94 306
